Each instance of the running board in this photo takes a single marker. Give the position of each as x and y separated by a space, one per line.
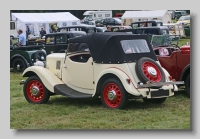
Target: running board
64 90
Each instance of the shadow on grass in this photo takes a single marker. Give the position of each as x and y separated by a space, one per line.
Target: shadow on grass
96 102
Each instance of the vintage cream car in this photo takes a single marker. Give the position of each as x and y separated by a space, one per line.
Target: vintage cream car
114 66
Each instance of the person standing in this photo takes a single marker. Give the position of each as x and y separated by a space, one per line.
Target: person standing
28 31
42 32
108 29
22 38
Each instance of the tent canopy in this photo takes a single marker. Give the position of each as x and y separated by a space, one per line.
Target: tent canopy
144 14
44 17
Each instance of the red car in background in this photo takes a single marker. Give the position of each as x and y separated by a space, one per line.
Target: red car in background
118 14
175 59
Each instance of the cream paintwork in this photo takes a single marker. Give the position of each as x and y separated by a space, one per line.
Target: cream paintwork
80 76
126 71
48 78
51 63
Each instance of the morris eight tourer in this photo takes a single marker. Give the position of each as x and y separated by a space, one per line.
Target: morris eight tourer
114 66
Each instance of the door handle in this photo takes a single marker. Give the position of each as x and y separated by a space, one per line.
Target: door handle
65 67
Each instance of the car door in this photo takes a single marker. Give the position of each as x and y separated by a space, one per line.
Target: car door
169 62
78 68
61 43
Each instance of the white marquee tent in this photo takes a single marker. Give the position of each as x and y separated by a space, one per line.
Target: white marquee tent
36 21
135 16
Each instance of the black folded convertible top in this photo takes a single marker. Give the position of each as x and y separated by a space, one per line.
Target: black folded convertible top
105 47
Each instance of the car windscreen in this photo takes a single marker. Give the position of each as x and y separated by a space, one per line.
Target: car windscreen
135 46
184 18
163 40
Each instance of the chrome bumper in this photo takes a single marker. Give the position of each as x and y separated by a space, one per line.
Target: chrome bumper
152 85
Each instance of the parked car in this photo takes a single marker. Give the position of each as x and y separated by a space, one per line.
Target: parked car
58 42
154 30
111 22
86 28
184 20
131 71
178 14
174 59
25 56
149 23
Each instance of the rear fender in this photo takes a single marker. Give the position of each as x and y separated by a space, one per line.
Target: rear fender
46 76
129 87
19 56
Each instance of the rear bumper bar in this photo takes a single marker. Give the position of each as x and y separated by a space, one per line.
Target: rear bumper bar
152 85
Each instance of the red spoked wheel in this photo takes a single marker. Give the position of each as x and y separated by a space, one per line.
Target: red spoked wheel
35 91
113 94
151 71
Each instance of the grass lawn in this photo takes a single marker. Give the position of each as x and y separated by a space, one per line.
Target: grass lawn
64 113
183 41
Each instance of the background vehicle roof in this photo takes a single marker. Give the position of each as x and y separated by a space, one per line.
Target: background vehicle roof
147 21
161 27
67 32
79 26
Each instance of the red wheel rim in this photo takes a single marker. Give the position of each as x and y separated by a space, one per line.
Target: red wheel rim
151 71
112 95
35 97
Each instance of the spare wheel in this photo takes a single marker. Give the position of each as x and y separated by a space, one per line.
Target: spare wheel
149 70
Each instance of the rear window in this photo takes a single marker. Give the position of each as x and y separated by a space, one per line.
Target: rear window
134 46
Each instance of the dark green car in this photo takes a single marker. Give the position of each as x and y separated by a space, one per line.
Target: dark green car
25 56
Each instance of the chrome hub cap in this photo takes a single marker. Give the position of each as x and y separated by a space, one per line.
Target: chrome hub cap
18 67
42 58
35 91
152 71
111 95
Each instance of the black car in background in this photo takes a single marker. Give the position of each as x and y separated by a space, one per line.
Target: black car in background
111 22
86 28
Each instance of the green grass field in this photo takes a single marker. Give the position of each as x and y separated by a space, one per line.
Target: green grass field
64 113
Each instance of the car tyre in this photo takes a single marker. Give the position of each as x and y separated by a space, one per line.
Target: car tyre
35 91
187 85
155 100
113 94
18 65
149 70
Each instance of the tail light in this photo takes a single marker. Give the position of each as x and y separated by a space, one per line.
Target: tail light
128 81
